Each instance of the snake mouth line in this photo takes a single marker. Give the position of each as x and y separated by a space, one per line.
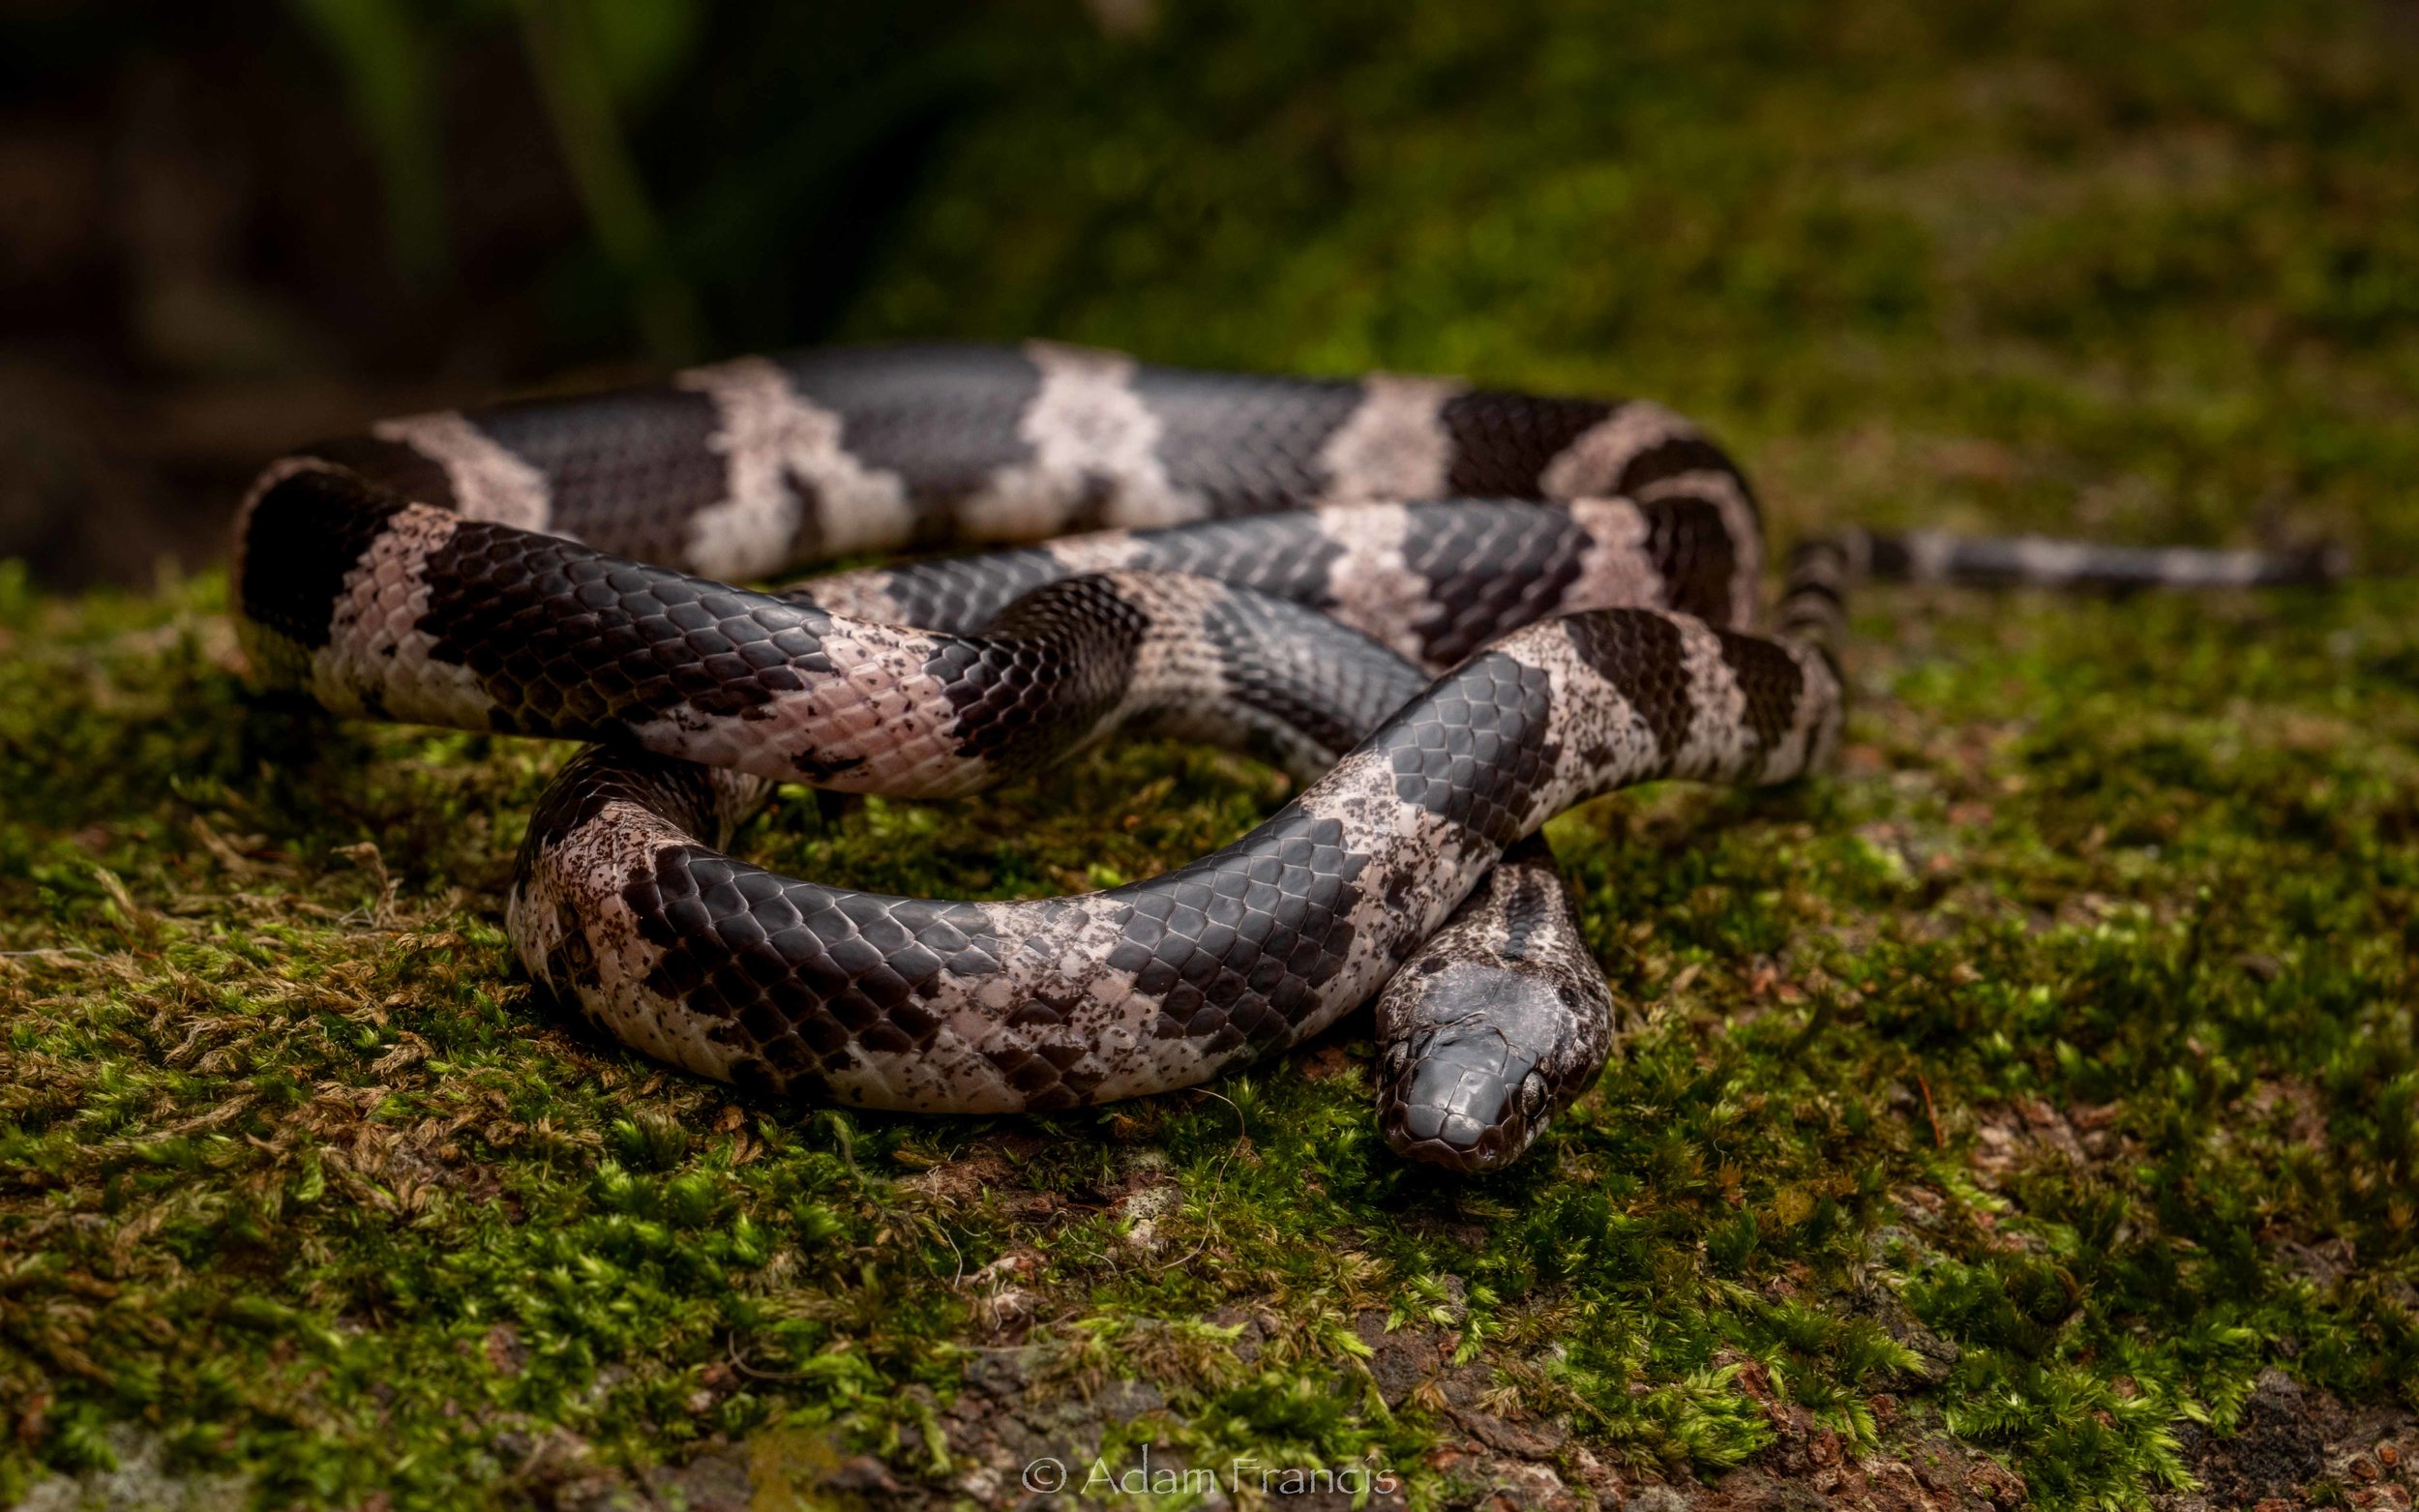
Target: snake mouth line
1493 1149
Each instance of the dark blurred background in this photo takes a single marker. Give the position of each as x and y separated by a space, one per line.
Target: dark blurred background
231 226
2144 270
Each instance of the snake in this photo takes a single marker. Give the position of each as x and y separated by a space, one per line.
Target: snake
1448 612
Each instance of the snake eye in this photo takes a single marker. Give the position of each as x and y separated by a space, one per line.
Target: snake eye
1568 994
1532 1095
1431 965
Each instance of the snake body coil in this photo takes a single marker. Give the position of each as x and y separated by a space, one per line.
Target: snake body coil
1279 564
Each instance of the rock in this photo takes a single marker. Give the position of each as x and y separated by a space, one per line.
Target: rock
1401 1361
2278 1446
1754 1490
1251 1334
1527 1441
715 1481
997 1373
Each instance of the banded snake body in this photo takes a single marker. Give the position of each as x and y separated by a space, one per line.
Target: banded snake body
1450 613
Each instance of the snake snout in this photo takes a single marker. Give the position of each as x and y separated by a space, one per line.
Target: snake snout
1468 1118
1467 1091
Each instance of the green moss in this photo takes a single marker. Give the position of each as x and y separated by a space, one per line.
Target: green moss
2067 1025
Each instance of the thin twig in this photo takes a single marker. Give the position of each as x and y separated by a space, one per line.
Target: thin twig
1217 1178
957 1279
1940 1141
731 1347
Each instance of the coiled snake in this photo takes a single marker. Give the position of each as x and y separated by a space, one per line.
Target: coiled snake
1278 564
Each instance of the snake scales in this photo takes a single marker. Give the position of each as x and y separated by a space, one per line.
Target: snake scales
1277 564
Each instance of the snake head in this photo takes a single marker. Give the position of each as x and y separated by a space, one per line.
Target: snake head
1475 1056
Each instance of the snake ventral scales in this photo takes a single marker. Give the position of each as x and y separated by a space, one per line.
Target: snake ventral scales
1450 613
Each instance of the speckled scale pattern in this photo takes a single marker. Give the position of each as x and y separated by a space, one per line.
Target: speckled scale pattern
1280 563
627 468
572 642
1315 691
1531 557
1503 443
1484 566
1051 666
1770 681
1288 556
1640 656
1691 543
1476 747
943 418
1233 949
954 593
1246 442
799 973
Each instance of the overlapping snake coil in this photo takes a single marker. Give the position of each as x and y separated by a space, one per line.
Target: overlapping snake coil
1451 613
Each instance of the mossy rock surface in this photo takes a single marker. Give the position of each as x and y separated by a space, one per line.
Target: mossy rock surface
2025 1112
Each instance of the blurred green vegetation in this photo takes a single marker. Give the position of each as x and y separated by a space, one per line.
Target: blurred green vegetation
2075 1015
2166 255
712 149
